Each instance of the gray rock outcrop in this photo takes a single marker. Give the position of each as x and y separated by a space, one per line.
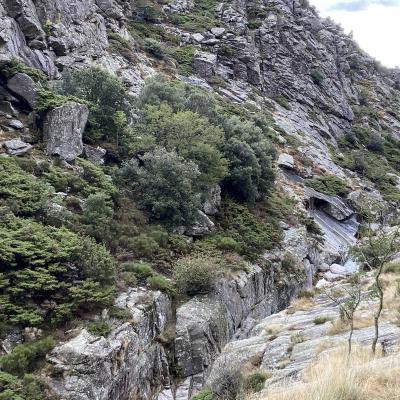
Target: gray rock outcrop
129 360
63 128
24 87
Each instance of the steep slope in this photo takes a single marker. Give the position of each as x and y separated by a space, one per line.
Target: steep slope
254 72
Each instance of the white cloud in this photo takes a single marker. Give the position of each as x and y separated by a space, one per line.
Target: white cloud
376 26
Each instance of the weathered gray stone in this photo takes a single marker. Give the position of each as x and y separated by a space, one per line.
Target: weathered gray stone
24 88
129 360
286 161
15 123
213 201
7 108
218 32
202 226
16 147
63 128
205 64
95 154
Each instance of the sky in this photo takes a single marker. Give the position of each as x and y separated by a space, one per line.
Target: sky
375 25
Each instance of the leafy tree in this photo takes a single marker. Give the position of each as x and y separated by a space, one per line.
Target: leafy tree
107 96
250 157
166 184
185 132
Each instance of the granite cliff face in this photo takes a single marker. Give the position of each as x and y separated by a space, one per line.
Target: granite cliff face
277 55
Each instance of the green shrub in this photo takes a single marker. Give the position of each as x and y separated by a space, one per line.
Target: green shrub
255 382
226 243
283 102
144 246
158 282
201 18
184 57
48 100
167 185
317 76
328 184
205 394
25 357
53 263
25 388
142 270
375 143
11 67
20 191
305 294
321 320
195 276
119 313
252 234
154 47
99 328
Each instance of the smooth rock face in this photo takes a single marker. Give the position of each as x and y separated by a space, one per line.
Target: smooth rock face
17 147
63 128
24 88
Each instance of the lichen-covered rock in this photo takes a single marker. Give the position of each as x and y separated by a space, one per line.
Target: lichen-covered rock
63 128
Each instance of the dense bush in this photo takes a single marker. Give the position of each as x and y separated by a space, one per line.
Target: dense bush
53 264
20 191
25 357
195 276
255 382
167 186
106 95
154 47
328 184
25 388
251 233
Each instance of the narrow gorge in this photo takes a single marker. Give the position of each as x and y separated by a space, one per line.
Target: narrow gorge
183 188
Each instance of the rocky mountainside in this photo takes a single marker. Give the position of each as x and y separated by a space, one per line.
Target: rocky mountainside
275 129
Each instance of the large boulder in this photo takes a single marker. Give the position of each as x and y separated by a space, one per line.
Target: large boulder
205 64
25 88
63 128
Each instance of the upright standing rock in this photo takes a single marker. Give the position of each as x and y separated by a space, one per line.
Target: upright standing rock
63 129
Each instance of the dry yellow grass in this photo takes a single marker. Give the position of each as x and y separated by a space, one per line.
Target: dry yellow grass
301 304
340 326
334 377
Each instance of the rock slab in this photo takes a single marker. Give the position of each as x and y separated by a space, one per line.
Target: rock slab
63 129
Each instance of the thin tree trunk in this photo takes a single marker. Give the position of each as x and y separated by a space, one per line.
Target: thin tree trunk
351 335
379 310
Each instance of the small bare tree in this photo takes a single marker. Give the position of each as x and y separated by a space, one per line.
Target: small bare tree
380 243
348 305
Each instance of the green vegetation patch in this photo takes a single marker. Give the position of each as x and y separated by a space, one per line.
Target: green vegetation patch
328 184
